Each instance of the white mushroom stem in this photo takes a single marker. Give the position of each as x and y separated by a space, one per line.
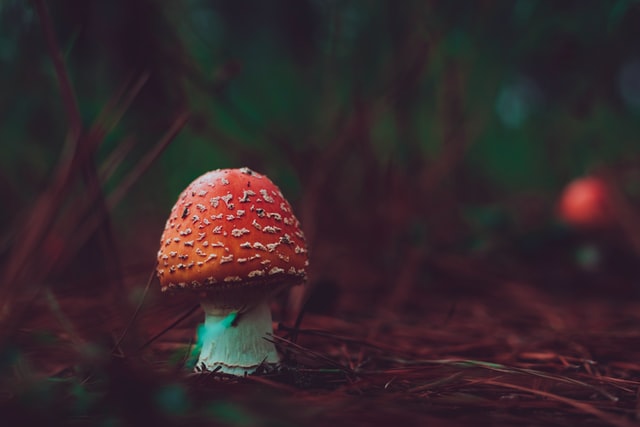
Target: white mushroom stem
233 342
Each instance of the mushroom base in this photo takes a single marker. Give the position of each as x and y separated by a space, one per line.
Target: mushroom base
234 342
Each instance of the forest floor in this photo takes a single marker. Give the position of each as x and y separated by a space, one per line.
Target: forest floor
509 356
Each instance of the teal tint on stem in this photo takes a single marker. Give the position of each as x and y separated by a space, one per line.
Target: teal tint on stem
206 332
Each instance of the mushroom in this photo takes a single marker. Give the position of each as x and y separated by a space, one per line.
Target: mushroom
586 203
232 240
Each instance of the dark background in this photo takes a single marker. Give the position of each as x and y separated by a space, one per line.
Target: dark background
423 145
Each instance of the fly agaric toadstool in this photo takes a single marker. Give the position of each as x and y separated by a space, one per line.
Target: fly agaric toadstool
586 203
232 240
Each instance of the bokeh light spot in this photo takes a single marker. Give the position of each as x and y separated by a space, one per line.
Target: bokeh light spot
516 101
629 83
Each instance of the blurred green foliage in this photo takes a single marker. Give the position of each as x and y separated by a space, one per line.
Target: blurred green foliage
417 112
550 90
430 121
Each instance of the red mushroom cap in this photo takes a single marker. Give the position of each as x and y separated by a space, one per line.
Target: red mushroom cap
231 229
585 202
